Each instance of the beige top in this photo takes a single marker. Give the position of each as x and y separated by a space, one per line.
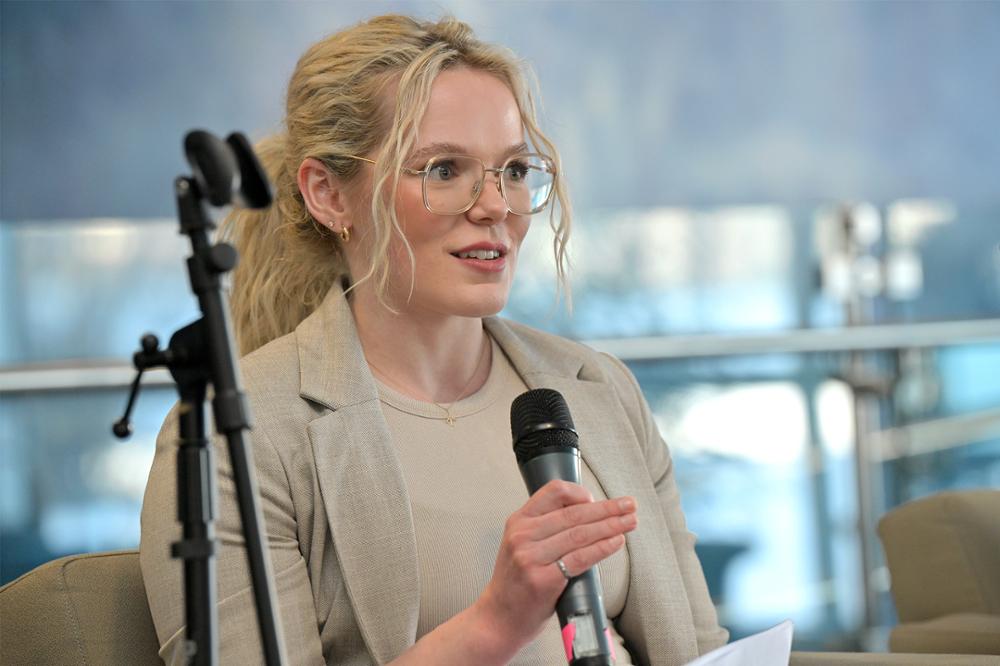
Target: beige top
463 482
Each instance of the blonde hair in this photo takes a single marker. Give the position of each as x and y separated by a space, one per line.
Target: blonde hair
334 109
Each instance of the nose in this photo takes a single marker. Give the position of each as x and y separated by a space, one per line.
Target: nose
490 207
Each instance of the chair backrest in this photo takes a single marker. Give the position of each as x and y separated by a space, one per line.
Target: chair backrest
81 609
943 553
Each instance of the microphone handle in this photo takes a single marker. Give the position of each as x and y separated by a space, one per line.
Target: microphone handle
584 623
580 606
562 464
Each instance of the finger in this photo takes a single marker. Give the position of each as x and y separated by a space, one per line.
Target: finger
556 494
584 558
570 517
584 536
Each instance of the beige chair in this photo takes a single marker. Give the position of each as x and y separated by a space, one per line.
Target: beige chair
943 554
81 609
91 609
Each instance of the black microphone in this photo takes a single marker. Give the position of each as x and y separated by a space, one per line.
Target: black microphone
546 446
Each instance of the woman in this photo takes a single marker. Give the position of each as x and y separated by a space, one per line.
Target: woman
380 381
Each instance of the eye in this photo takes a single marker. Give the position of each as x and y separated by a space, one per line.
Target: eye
516 171
442 171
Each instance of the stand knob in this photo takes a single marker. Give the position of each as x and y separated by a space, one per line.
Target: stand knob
150 343
223 257
122 428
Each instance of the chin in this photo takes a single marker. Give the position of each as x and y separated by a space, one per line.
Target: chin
480 304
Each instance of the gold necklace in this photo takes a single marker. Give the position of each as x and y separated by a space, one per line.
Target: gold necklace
448 417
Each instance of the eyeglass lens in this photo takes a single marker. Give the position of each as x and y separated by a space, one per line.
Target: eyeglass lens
452 183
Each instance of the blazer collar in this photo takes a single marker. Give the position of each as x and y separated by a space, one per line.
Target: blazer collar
333 371
332 367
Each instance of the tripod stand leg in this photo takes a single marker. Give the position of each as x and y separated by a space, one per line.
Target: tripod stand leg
196 503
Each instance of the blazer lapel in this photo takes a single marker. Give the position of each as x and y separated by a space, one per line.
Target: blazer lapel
361 481
365 497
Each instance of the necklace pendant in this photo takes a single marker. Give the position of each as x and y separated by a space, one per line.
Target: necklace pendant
450 420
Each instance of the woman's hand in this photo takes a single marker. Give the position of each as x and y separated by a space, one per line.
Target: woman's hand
559 522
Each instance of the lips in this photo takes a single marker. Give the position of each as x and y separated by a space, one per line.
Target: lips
482 252
483 257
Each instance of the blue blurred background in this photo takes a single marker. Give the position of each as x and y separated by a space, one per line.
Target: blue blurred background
756 186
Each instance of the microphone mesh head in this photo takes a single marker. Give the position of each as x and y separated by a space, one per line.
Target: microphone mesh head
540 419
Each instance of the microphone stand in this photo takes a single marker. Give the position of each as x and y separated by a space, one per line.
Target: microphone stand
200 354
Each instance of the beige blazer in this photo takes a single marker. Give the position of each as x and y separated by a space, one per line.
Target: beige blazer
337 511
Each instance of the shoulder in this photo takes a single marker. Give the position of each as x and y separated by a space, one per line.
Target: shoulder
272 385
539 354
536 340
272 369
574 368
548 353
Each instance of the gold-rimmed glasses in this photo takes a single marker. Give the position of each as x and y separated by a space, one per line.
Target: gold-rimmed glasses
451 183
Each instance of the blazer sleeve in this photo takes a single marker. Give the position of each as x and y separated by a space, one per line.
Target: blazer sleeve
239 639
709 633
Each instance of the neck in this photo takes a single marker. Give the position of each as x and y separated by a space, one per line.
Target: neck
433 358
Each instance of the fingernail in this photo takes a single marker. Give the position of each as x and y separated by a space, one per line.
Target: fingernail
626 504
627 520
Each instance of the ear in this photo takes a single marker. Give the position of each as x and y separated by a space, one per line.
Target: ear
324 194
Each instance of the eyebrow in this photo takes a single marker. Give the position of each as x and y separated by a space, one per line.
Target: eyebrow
429 151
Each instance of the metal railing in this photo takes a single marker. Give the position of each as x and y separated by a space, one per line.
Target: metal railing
115 373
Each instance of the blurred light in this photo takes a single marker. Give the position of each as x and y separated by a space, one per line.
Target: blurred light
835 415
904 274
837 282
866 225
762 422
867 276
105 242
90 526
909 219
120 468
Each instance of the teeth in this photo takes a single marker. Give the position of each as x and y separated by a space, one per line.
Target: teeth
479 254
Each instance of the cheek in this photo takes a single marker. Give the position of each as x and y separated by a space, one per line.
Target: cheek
409 201
518 230
409 208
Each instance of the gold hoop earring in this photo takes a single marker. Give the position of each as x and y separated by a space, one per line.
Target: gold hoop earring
345 234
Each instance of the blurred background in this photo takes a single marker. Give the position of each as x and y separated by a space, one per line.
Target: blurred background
788 224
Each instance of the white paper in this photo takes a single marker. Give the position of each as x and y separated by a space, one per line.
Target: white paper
771 647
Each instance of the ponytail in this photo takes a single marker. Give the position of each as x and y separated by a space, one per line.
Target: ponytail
288 262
